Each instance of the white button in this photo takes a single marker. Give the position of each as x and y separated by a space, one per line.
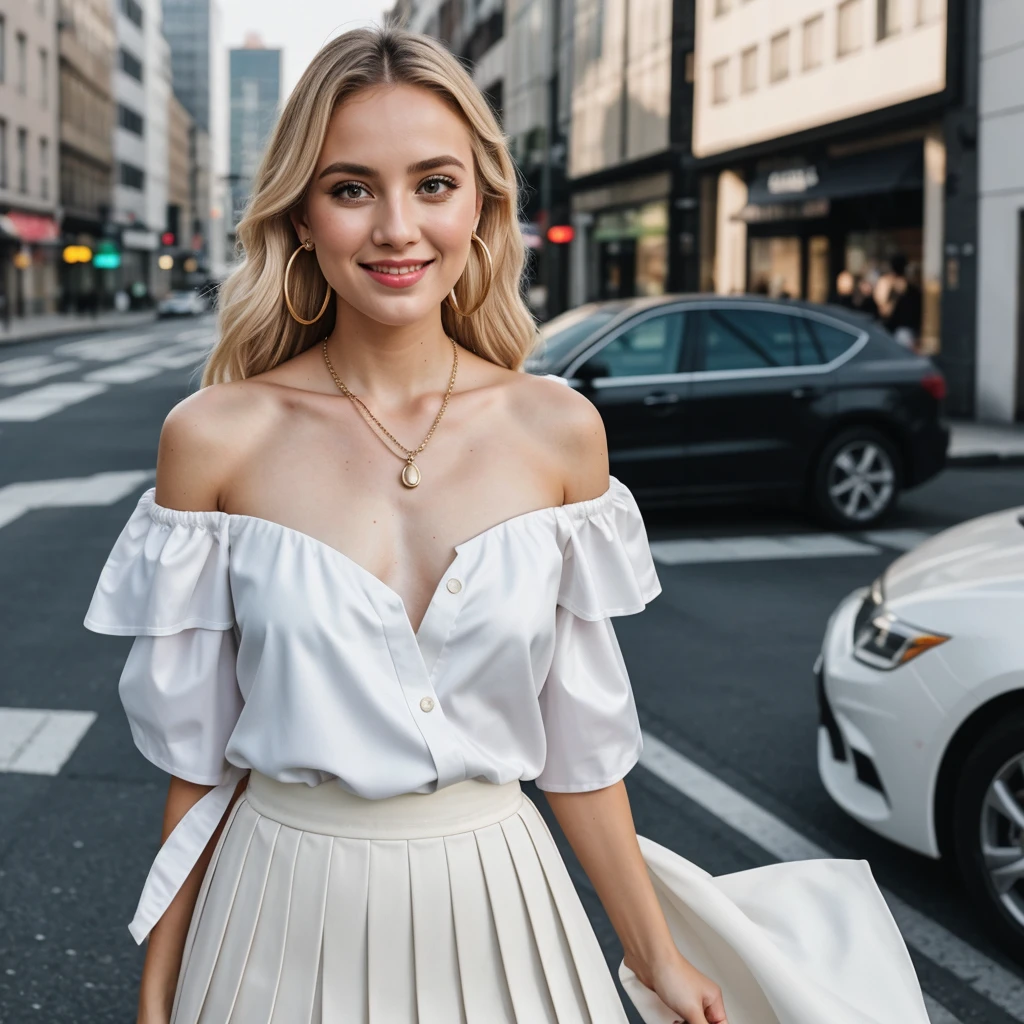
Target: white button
427 704
454 585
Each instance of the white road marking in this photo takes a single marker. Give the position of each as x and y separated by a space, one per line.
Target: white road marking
12 377
937 1013
757 549
99 489
47 400
196 332
928 937
902 540
123 373
40 742
172 359
109 350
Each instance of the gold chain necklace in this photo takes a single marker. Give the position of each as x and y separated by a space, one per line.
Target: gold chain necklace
411 475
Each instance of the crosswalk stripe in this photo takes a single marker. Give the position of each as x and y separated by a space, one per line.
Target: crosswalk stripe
109 350
36 742
47 400
123 373
783 842
901 540
756 549
11 377
98 489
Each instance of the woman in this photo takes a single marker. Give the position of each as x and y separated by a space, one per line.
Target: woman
349 652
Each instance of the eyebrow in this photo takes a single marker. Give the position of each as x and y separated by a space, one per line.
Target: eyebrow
369 172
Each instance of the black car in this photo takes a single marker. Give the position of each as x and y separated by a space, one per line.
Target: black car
712 397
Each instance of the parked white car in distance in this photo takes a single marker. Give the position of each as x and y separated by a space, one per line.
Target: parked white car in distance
921 693
187 302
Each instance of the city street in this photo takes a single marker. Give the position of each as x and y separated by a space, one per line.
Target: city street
720 663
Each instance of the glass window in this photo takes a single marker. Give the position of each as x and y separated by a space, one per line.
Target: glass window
44 78
720 81
745 339
814 42
563 333
653 346
779 62
3 153
888 18
3 49
832 341
850 24
22 160
44 168
22 44
748 70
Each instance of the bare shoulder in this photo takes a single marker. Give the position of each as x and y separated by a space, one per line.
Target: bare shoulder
206 437
569 426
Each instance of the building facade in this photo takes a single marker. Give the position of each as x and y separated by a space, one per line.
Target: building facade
87 110
142 92
1000 313
633 194
254 78
29 133
839 135
178 239
199 80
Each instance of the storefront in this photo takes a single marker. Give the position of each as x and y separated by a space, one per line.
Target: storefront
30 254
808 223
621 246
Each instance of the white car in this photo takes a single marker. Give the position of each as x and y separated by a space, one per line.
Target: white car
921 693
182 303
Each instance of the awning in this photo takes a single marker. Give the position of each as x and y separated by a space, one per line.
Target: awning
33 228
895 169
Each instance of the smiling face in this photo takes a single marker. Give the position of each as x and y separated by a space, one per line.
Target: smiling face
394 184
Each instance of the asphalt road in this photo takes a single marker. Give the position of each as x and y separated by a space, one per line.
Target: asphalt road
720 663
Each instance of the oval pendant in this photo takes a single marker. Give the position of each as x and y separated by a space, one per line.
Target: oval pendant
410 474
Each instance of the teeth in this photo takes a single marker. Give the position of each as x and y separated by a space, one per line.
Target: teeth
396 270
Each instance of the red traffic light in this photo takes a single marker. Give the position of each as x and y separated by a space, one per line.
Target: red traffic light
167 238
560 233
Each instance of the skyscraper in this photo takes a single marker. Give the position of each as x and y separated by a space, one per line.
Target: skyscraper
192 28
255 77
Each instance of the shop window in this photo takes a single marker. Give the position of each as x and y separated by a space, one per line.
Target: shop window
651 347
720 81
888 20
745 339
814 42
779 62
748 70
850 27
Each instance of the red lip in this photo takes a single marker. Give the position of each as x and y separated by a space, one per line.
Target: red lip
393 263
398 280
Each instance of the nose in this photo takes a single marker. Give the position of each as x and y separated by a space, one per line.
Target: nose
395 224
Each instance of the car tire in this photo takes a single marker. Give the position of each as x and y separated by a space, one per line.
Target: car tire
982 820
856 479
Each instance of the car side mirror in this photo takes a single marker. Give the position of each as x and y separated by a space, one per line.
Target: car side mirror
591 370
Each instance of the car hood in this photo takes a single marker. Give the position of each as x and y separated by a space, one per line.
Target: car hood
974 553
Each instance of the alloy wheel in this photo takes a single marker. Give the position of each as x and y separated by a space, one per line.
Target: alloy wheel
1002 836
861 480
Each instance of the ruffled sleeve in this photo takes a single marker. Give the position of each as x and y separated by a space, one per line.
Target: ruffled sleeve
590 719
166 583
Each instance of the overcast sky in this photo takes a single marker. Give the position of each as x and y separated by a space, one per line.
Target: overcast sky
299 27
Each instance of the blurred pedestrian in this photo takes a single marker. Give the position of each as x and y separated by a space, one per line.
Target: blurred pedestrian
844 289
864 296
903 314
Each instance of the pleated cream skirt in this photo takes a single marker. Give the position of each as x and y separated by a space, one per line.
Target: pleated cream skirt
453 907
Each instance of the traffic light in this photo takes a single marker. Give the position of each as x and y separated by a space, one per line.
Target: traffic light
167 238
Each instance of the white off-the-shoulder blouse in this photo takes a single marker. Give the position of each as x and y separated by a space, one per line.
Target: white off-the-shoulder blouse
258 646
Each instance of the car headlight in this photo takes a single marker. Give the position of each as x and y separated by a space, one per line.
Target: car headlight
884 641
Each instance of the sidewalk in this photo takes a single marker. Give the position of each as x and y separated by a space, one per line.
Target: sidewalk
38 328
986 444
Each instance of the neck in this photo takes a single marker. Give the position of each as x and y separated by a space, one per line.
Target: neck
391 364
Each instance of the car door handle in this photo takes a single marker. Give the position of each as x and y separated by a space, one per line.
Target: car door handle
661 398
805 392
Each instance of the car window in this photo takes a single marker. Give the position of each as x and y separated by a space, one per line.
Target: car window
563 333
833 341
653 346
745 339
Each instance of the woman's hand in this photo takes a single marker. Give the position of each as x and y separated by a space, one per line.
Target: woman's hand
683 989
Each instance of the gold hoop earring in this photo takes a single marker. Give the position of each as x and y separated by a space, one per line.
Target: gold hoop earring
453 302
308 246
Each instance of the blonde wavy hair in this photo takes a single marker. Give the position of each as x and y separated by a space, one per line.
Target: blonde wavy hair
256 331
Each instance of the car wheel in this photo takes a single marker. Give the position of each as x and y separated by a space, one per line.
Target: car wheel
856 479
988 829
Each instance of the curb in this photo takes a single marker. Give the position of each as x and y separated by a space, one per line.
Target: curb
985 459
77 330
